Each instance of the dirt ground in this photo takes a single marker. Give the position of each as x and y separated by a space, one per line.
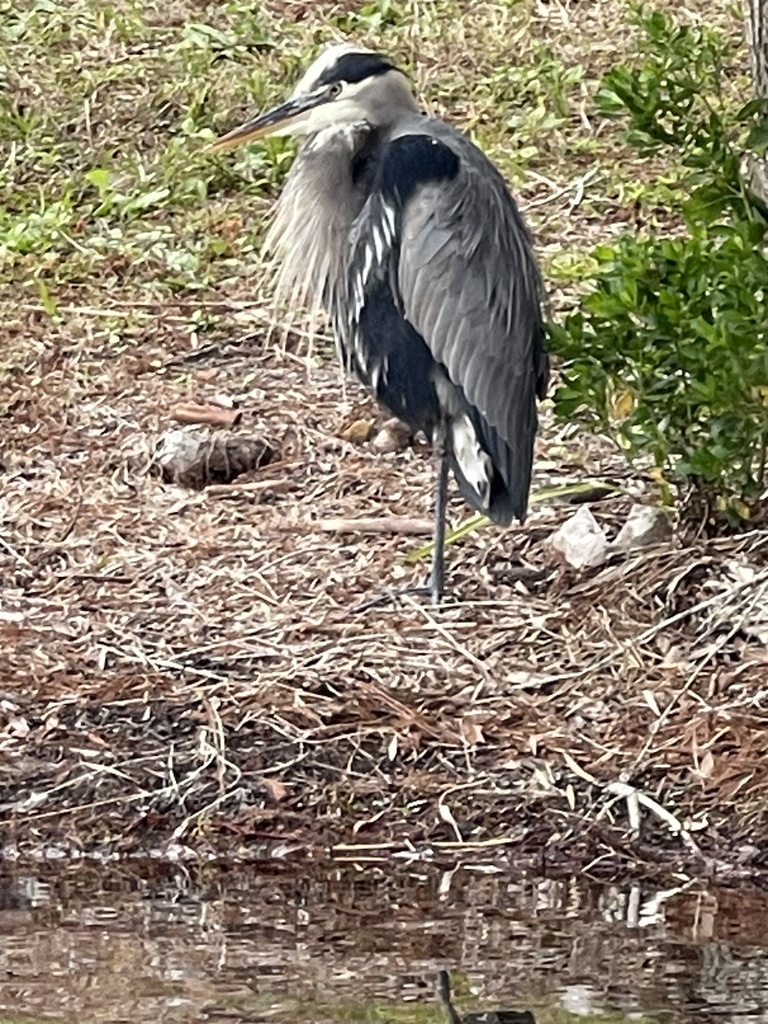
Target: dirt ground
190 671
190 667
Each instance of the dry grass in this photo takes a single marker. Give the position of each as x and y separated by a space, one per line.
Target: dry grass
189 666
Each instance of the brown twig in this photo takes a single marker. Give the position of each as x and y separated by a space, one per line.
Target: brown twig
388 524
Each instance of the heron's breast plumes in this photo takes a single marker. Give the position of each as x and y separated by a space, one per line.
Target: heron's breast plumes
309 235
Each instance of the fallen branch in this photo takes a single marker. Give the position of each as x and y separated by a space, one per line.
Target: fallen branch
249 489
213 415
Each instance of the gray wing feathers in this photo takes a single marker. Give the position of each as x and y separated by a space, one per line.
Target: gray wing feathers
470 286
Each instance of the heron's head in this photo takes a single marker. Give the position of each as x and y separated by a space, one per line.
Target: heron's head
344 86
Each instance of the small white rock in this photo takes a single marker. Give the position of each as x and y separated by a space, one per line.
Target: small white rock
645 525
581 540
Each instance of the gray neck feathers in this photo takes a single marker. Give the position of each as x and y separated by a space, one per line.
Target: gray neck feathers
309 236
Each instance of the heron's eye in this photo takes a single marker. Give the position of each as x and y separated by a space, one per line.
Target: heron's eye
335 90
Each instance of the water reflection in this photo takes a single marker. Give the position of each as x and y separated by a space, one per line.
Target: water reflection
143 945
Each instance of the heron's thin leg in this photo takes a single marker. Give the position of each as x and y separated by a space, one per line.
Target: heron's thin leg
437 574
441 502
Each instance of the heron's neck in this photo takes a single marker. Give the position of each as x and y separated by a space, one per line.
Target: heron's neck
337 139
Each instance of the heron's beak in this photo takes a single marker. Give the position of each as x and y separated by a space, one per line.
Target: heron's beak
278 121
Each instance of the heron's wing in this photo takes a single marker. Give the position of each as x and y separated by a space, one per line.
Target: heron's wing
461 267
468 278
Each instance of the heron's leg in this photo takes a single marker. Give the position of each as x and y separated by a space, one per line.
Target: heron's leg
437 574
392 597
441 503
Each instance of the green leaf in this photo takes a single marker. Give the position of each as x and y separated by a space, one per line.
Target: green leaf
751 109
197 33
100 178
47 301
757 139
145 201
707 204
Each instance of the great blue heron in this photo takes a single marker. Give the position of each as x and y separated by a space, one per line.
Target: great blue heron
490 1017
405 233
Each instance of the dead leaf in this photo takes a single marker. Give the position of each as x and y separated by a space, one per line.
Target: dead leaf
392 747
621 405
471 731
17 728
445 814
358 432
707 765
650 700
275 788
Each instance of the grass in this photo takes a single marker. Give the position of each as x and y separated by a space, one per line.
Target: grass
107 187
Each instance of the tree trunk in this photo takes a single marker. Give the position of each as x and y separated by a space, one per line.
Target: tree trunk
756 12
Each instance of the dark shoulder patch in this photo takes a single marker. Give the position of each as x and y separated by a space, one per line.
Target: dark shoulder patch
413 160
365 161
355 67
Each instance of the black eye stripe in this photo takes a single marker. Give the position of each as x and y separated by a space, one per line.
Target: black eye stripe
355 67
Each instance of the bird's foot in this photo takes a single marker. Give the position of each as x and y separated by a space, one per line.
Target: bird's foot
394 596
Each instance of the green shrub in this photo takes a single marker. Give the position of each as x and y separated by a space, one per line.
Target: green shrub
667 351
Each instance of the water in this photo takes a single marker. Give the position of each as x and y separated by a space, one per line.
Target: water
143 944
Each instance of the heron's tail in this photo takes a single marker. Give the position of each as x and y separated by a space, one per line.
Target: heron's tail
493 474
